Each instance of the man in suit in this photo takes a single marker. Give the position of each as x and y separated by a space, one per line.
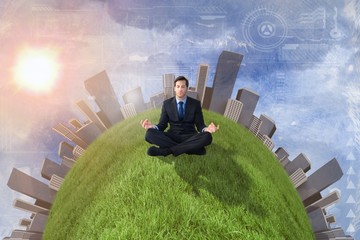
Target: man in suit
188 132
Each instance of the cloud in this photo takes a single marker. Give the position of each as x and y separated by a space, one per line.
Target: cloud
350 12
137 58
320 96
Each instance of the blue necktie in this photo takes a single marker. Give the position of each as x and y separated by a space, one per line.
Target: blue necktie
181 111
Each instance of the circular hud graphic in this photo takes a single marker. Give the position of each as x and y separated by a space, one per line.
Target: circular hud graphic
264 29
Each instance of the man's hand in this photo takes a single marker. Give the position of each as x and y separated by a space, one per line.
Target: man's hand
212 128
146 124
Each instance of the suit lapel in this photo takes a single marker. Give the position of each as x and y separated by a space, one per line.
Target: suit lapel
174 109
188 106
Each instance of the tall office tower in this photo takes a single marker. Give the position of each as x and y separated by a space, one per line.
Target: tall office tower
135 97
168 84
66 150
29 207
233 109
192 94
207 97
255 125
301 161
226 72
156 100
50 167
201 81
128 110
25 184
78 151
75 123
266 141
249 100
70 135
268 126
322 178
99 86
84 107
88 133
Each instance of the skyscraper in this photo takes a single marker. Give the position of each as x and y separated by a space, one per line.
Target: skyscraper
201 81
168 84
135 97
84 107
226 72
249 100
32 187
207 97
193 94
233 109
156 100
268 126
99 86
70 135
128 110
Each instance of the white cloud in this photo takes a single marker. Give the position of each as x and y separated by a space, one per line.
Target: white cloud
350 12
137 58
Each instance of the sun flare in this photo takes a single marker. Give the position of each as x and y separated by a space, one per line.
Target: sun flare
37 70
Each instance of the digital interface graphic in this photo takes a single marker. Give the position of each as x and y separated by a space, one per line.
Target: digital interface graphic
301 57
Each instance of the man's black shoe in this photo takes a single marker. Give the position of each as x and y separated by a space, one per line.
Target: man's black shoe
154 151
201 151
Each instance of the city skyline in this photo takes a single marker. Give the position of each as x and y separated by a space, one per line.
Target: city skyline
298 70
309 188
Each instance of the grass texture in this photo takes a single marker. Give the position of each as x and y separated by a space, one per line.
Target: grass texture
237 191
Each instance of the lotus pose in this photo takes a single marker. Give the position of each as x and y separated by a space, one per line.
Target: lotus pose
187 133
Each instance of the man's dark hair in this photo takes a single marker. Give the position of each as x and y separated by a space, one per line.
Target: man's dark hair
181 78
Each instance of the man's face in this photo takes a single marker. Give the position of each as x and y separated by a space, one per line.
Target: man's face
180 89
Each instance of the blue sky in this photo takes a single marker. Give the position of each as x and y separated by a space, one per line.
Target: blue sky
301 57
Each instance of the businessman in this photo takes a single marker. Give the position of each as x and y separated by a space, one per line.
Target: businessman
187 133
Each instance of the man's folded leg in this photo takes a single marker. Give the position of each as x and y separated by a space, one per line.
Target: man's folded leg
159 138
193 145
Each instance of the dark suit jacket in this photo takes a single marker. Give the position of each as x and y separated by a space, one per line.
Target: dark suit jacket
193 117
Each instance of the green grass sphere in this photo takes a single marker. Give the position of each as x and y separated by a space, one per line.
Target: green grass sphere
238 190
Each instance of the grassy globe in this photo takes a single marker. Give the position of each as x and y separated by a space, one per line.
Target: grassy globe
238 190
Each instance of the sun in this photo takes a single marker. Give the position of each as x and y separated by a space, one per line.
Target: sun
37 70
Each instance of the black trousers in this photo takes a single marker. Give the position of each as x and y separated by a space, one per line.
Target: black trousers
178 143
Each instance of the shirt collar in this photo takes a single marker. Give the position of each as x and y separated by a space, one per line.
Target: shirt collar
184 100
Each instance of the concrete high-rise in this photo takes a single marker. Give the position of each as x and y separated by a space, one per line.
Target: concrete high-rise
201 81
227 69
50 167
25 184
207 97
84 107
88 133
135 97
157 100
268 126
233 109
99 86
193 94
70 135
168 85
29 207
128 110
249 99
